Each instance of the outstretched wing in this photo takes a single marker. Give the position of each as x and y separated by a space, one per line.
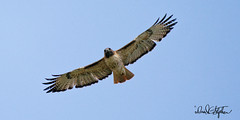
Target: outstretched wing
145 41
81 77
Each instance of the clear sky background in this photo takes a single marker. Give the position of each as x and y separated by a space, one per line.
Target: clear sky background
198 63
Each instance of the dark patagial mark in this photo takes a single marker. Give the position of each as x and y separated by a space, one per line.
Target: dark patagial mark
150 31
68 75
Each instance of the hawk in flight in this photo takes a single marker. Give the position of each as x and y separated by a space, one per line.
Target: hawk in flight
113 61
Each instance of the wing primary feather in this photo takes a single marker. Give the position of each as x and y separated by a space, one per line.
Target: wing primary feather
167 19
57 75
171 25
51 90
163 18
49 82
156 22
170 22
49 87
62 85
50 79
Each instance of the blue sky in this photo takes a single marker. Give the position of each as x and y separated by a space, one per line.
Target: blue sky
196 64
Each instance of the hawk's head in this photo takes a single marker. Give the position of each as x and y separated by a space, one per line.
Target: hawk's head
108 52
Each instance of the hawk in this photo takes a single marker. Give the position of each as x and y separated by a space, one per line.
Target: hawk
113 61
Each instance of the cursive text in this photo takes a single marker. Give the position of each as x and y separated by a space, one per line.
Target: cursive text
215 110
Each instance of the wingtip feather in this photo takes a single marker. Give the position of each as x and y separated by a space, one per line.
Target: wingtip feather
57 75
156 21
167 19
46 83
50 79
163 18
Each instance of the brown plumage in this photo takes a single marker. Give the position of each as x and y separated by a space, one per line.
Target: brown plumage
113 61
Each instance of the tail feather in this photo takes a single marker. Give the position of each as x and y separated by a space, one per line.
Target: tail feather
118 78
129 74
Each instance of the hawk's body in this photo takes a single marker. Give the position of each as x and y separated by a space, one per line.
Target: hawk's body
115 64
113 61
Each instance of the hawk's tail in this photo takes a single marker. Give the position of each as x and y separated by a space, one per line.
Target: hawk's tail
118 78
